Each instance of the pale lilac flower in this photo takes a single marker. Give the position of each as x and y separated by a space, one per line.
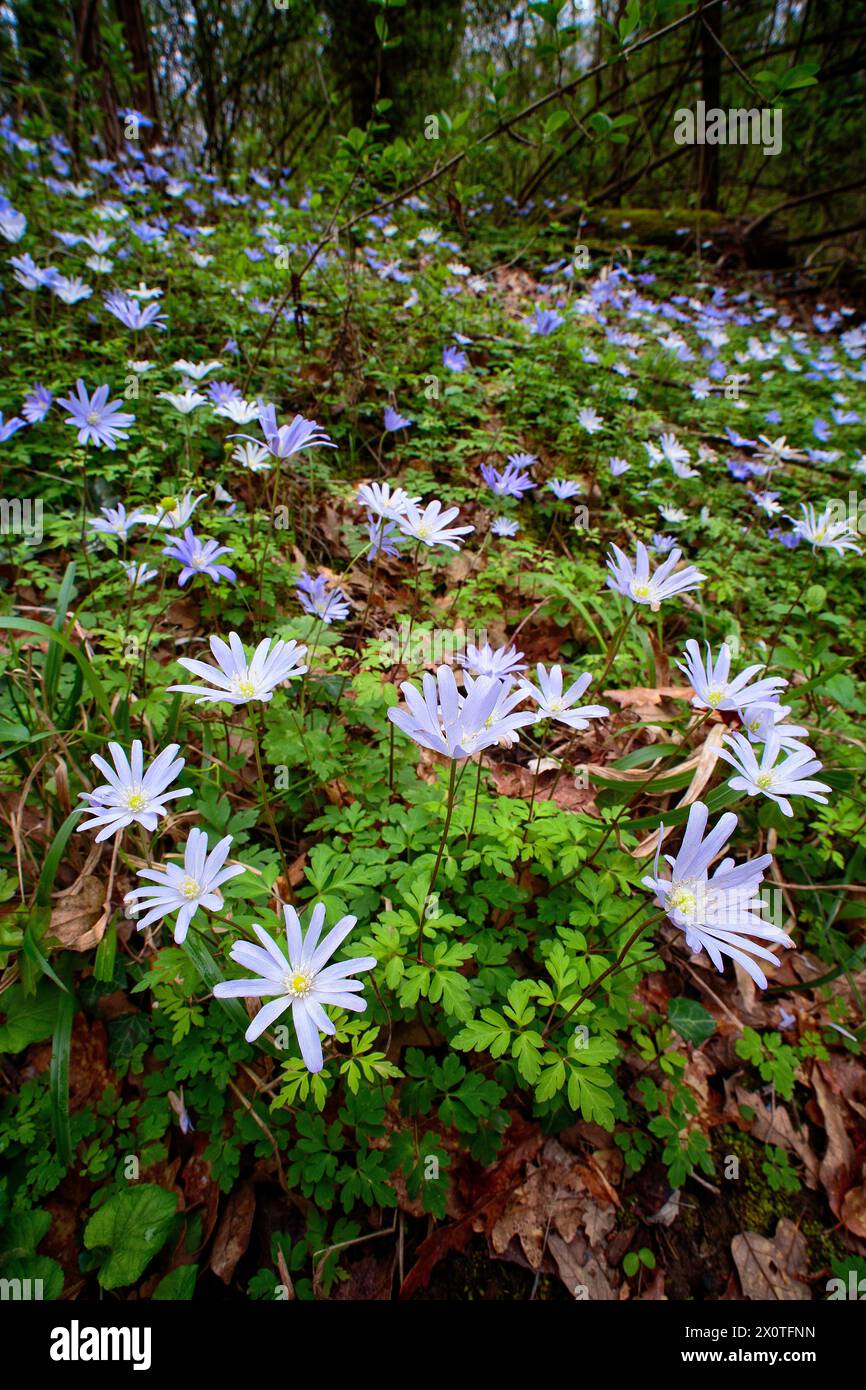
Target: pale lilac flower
315 599
554 703
301 979
130 793
522 460
768 502
677 456
134 315
238 679
70 289
769 777
383 537
564 488
760 722
637 583
286 440
503 527
183 889
455 725
31 276
721 913
199 557
618 466
97 419
713 686
454 359
663 544
10 427
431 526
484 661
222 393
13 224
37 404
116 521
395 421
545 322
511 482
138 572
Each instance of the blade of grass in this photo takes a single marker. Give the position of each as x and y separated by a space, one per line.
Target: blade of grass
61 1045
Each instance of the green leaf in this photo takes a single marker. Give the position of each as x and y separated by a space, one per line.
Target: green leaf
30 1018
692 1021
178 1284
59 1072
130 1227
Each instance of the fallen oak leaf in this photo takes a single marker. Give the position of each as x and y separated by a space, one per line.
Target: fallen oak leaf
772 1269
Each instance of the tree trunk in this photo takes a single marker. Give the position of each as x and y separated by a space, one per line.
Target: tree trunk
711 94
130 15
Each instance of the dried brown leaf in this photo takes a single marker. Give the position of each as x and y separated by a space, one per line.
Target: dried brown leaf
772 1269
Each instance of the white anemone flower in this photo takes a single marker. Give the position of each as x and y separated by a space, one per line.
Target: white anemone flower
824 532
431 526
197 371
130 793
636 582
256 458
173 513
718 914
384 503
484 661
555 703
300 979
239 679
713 686
183 888
184 401
770 777
761 721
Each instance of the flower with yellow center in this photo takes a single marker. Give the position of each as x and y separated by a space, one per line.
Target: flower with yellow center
132 793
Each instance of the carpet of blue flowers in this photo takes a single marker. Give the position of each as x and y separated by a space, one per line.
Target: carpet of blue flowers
432 713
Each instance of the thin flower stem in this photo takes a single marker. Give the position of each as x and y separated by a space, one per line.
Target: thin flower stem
390 757
641 790
449 809
263 791
471 829
414 613
614 648
797 597
538 759
605 974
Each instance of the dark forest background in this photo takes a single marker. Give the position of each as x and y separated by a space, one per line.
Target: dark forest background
530 102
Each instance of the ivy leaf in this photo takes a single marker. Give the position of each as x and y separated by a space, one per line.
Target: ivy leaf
179 1284
131 1227
692 1021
